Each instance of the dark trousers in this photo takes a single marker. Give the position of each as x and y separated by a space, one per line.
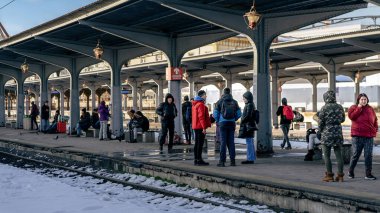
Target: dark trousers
227 134
198 146
167 126
285 130
187 128
34 121
358 144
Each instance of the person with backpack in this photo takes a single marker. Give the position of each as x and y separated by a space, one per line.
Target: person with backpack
248 126
34 112
226 113
286 116
186 118
95 122
103 119
144 121
168 112
363 129
45 115
200 122
330 118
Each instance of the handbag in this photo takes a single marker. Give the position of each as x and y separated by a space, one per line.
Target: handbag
242 131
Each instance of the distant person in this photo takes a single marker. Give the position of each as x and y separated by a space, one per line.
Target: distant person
168 111
84 122
103 120
131 114
53 127
186 118
45 115
95 122
313 137
286 116
226 113
248 126
363 129
330 118
200 123
34 112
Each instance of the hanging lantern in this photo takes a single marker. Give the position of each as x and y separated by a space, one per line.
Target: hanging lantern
252 17
98 50
24 67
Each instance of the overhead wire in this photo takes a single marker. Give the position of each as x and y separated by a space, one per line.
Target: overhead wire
2 7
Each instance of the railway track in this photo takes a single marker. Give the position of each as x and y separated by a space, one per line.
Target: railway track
16 158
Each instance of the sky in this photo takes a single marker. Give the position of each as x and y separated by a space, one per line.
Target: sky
21 15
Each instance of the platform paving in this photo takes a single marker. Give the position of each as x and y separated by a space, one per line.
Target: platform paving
285 168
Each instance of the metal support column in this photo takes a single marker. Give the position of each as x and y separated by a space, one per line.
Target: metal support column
2 103
117 118
275 103
314 95
74 96
134 94
20 103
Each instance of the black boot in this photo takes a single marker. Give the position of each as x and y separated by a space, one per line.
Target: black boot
232 162
309 155
201 162
221 164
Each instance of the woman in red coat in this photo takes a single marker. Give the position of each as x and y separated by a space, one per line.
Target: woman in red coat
363 130
200 122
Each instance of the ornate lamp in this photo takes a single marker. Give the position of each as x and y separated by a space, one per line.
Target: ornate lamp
24 67
252 17
98 50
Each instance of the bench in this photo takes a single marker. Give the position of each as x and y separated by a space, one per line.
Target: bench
10 124
346 152
306 125
145 137
91 132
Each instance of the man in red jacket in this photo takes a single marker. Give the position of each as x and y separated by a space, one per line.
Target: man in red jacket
363 130
200 122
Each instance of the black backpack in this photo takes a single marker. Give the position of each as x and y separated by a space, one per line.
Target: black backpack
298 117
228 109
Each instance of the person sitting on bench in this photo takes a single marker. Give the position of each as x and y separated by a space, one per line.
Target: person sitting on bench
84 122
53 127
313 137
95 123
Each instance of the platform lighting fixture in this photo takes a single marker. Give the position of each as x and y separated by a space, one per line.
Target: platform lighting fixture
185 75
252 17
24 67
98 50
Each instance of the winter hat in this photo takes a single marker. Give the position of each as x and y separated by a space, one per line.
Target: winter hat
201 93
226 91
284 101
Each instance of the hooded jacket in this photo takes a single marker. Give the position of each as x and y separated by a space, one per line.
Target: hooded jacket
103 112
330 118
200 117
185 105
217 111
247 121
364 121
167 111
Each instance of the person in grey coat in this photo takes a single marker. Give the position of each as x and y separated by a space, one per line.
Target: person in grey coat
330 118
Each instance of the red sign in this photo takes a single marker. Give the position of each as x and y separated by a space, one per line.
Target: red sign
174 73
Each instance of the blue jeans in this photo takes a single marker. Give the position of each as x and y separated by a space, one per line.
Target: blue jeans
358 144
251 154
79 130
285 130
44 125
227 134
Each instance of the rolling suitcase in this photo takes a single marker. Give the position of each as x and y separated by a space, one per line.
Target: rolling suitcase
61 127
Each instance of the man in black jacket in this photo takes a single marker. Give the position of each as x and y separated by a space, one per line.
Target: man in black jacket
168 111
84 122
186 118
45 115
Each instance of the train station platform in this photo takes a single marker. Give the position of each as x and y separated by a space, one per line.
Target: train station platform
283 179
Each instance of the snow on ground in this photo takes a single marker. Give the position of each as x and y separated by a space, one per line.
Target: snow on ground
57 191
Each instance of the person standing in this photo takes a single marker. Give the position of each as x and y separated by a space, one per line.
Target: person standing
330 118
168 111
186 118
226 113
34 112
248 126
286 116
103 119
363 129
200 122
45 115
